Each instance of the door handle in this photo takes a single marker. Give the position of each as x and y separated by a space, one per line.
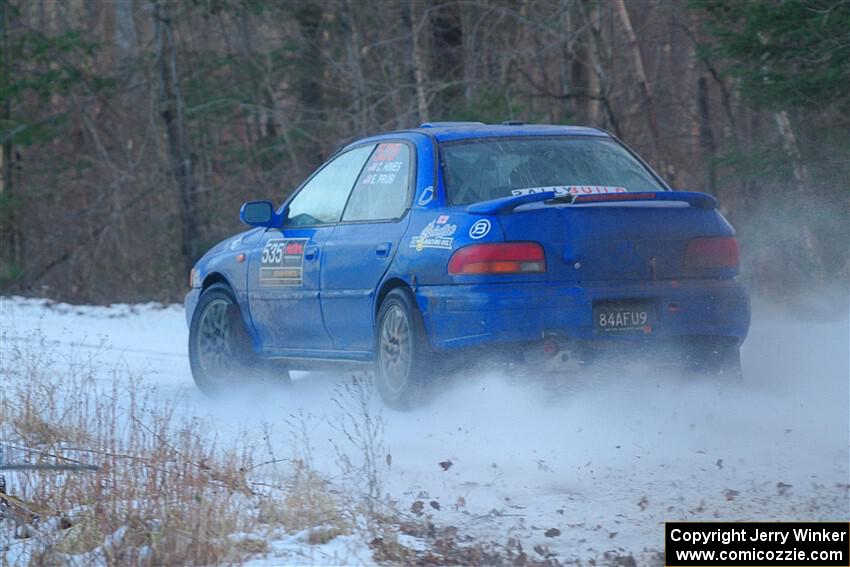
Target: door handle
311 252
383 250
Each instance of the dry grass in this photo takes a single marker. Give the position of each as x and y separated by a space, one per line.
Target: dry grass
307 503
166 491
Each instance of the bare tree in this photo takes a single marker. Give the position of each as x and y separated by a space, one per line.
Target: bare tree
182 114
640 73
419 21
171 110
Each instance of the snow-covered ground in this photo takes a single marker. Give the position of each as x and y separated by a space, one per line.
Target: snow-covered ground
605 462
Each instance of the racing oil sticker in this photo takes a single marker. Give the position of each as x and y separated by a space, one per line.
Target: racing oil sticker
436 234
282 262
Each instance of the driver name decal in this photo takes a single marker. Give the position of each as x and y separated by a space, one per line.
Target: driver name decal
384 166
282 262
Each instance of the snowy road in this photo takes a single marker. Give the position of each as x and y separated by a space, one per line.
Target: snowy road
605 463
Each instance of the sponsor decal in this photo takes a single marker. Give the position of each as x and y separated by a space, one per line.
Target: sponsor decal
294 249
442 219
434 236
570 190
427 196
480 229
234 244
387 152
282 262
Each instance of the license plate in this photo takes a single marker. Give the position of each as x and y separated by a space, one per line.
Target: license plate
621 316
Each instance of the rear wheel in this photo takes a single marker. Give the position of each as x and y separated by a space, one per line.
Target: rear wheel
402 352
220 352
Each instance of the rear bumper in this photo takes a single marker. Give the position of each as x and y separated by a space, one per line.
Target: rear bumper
470 315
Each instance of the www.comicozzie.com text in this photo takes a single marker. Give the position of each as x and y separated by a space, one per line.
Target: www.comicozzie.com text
727 536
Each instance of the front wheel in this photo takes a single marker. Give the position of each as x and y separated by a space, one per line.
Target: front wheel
402 351
220 352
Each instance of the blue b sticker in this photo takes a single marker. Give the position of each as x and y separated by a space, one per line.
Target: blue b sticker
480 229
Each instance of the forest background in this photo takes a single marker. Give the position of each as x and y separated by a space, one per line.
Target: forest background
132 130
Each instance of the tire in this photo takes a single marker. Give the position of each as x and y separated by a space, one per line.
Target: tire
220 352
403 357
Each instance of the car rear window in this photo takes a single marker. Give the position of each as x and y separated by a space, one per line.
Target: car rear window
490 168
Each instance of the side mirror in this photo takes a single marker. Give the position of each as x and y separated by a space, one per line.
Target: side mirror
259 213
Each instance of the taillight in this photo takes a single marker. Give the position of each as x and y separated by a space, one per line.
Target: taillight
712 252
505 258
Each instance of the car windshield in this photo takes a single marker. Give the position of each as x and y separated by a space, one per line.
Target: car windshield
490 168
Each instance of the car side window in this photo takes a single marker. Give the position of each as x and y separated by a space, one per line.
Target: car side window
322 199
381 191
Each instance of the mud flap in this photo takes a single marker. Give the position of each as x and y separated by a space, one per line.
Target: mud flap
260 369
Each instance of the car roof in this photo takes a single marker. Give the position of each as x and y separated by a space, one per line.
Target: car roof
449 131
453 131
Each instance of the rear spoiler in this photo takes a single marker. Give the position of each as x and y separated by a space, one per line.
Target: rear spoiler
508 204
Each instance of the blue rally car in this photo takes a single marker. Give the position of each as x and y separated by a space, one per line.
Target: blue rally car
410 246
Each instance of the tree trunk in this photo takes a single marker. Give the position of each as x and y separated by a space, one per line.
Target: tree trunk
11 245
171 111
583 61
309 72
468 26
419 20
640 73
125 31
789 143
353 49
599 59
706 135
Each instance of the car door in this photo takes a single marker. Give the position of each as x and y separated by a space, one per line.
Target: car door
364 243
284 268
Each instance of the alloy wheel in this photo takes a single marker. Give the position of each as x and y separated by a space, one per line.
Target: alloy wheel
214 341
395 348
